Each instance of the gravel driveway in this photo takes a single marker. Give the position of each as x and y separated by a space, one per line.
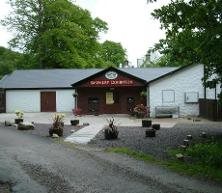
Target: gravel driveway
166 138
33 164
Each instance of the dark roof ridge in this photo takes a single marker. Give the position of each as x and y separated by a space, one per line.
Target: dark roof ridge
51 69
94 68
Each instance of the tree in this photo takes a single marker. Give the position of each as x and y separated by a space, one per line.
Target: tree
193 35
9 61
55 33
113 53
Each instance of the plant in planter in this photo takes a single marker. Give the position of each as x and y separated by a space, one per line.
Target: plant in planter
150 133
57 125
156 126
111 132
140 111
146 123
74 122
143 93
19 116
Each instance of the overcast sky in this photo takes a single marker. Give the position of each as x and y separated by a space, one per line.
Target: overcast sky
129 22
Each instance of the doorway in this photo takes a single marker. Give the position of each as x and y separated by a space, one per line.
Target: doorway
93 105
130 104
48 101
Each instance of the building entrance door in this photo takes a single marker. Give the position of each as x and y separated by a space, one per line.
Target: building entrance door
93 105
48 101
130 104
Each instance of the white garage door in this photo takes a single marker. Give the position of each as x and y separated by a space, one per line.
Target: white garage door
24 100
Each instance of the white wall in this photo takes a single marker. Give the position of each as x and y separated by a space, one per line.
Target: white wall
64 100
29 100
186 80
25 100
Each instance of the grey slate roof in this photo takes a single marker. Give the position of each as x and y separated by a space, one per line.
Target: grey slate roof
63 78
149 74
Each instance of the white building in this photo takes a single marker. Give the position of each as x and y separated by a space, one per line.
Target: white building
108 90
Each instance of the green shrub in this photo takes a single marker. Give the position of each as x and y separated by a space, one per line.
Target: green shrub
209 154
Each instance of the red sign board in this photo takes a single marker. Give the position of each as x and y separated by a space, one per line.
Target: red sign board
111 82
112 79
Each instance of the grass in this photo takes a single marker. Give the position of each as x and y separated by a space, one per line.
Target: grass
205 159
195 170
134 154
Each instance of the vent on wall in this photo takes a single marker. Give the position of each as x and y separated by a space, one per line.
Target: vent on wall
191 97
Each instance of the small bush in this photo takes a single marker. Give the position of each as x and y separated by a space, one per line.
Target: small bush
140 111
209 154
202 159
111 132
19 114
57 125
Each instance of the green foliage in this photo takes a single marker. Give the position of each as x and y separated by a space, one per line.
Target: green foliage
57 34
207 153
9 61
140 111
113 52
137 155
193 35
205 159
19 114
195 170
163 61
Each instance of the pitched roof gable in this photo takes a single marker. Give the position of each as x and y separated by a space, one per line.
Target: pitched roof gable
106 70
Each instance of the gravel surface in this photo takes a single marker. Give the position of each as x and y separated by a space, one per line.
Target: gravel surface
33 164
43 129
166 138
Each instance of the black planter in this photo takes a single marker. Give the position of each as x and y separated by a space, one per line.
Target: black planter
59 132
108 134
156 126
17 121
74 122
150 133
146 123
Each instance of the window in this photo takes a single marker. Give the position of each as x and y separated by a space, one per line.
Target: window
109 98
191 97
168 96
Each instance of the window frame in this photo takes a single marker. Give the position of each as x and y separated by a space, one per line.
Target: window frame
170 101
